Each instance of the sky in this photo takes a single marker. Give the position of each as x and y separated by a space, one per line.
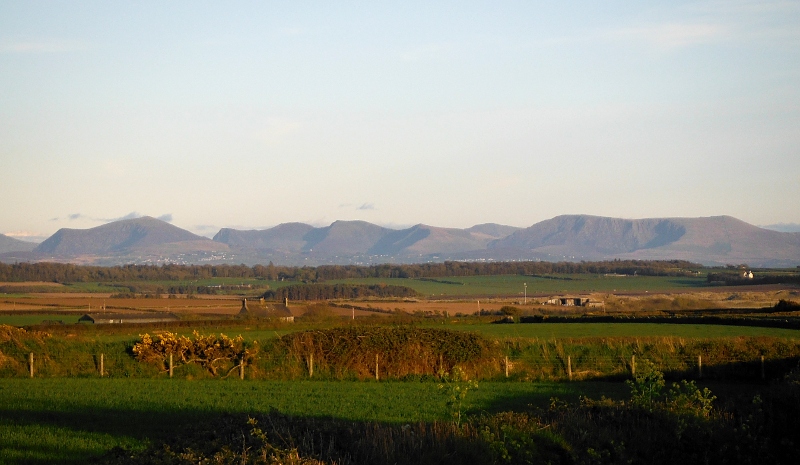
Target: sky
450 113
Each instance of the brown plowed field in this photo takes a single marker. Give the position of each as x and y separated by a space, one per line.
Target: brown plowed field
94 302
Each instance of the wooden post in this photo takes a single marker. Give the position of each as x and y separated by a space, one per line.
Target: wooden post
377 378
30 363
633 366
311 365
241 368
102 359
170 365
506 366
763 371
569 367
699 366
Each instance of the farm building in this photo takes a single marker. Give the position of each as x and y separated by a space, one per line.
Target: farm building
119 318
568 301
262 310
573 302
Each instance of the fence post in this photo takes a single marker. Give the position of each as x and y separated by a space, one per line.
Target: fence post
241 368
506 366
170 365
569 367
763 371
30 363
699 366
633 366
376 368
102 359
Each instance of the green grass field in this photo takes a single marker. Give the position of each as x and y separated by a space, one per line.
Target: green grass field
500 286
513 285
70 420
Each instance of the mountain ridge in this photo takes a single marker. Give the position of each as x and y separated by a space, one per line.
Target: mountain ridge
715 240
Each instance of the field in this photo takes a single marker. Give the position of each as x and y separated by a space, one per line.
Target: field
86 417
68 414
514 286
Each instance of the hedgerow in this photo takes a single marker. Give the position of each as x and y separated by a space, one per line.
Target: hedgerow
397 352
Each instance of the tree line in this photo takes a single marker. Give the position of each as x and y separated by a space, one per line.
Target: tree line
730 279
69 273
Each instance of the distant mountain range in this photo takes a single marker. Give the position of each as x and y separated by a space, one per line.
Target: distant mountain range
711 241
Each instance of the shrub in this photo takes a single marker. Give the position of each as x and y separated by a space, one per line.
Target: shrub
211 352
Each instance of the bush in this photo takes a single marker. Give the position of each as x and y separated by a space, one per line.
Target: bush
210 352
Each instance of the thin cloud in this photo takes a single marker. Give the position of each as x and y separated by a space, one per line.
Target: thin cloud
166 217
129 216
366 206
27 236
206 230
783 227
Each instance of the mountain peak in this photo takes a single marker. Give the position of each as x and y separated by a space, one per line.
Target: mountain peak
115 237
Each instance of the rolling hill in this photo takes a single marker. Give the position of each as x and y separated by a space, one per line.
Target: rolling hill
347 239
9 244
145 235
713 240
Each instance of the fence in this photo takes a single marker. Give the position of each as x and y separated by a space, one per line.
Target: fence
566 367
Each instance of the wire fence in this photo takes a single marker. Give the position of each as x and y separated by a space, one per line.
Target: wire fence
563 367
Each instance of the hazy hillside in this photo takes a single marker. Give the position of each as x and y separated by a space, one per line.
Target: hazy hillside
144 234
9 244
424 240
286 237
343 238
713 240
350 238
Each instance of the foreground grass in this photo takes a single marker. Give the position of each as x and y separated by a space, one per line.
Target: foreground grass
71 420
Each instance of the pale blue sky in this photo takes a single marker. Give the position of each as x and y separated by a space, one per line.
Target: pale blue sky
250 114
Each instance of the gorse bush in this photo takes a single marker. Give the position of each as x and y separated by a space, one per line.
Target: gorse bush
208 351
